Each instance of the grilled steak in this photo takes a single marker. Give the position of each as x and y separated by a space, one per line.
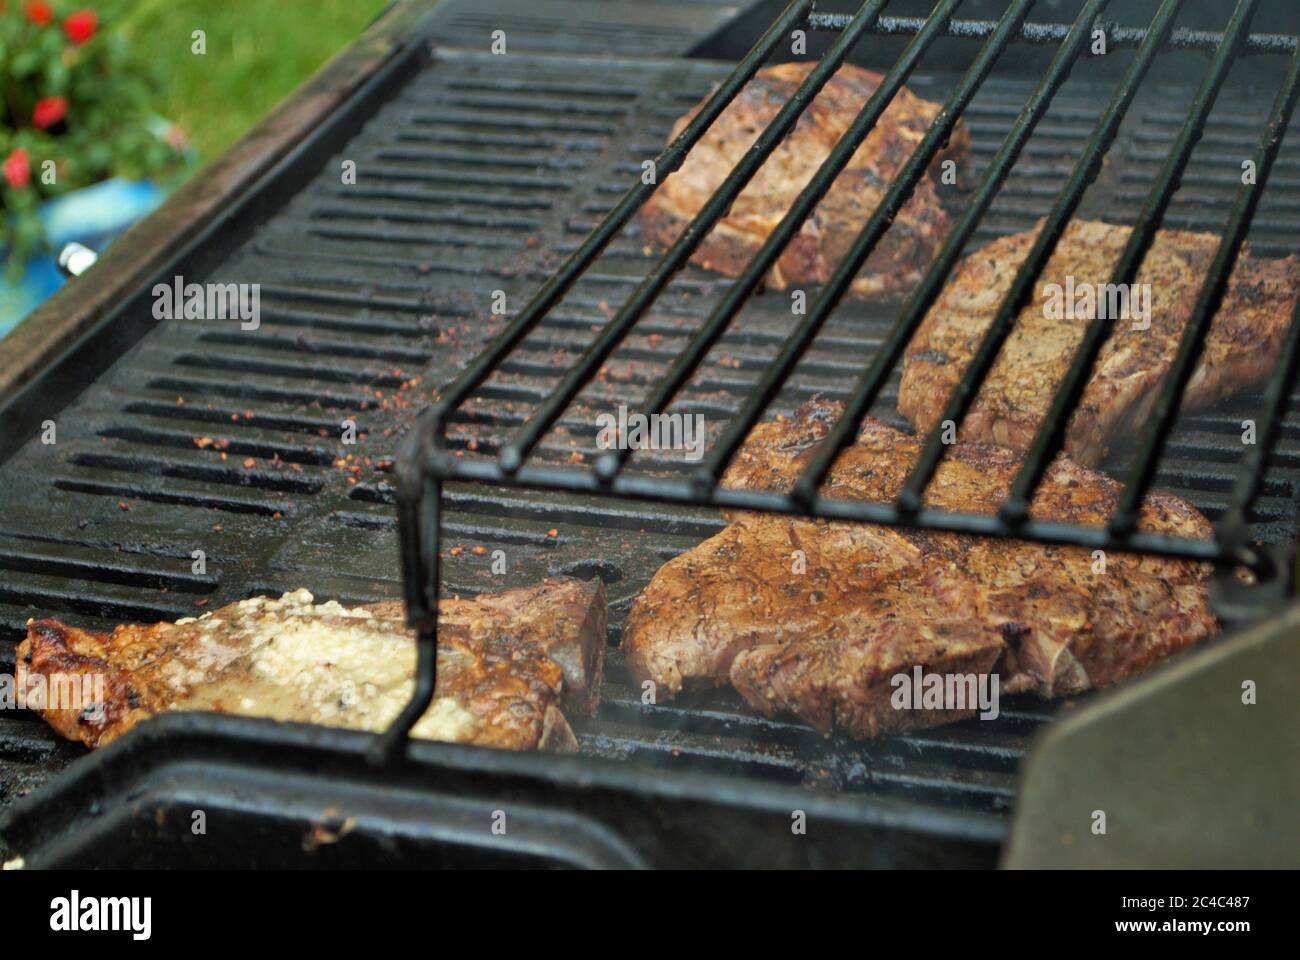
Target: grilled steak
845 681
794 612
1242 345
507 664
826 235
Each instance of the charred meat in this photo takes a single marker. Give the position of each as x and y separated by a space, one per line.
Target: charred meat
1241 348
810 617
826 236
510 665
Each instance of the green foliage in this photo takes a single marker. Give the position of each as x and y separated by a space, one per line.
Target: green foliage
97 119
141 65
258 52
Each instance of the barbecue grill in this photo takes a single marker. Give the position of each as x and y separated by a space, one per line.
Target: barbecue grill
487 179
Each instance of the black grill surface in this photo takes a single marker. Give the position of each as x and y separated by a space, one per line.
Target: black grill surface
477 178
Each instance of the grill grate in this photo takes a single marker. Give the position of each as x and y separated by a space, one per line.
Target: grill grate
362 291
428 461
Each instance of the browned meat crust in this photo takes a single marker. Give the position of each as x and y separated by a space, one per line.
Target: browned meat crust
820 592
507 665
561 619
844 682
1242 346
825 237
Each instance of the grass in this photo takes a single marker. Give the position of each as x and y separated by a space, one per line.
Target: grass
258 51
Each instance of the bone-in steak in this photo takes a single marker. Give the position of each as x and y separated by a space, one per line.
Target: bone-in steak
509 665
1241 348
810 617
826 235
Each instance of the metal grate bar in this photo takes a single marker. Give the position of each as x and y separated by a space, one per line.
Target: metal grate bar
712 329
1051 434
868 387
669 160
513 453
1207 305
1022 288
419 510
663 490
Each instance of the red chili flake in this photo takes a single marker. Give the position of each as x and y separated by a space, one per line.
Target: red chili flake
456 551
249 463
480 550
552 532
123 505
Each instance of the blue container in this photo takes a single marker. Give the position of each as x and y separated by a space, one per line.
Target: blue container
93 215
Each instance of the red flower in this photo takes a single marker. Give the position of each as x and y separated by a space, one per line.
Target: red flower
80 26
39 12
49 111
18 169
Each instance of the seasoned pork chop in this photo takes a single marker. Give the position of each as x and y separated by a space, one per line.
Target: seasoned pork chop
782 607
844 681
509 665
826 235
1241 348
